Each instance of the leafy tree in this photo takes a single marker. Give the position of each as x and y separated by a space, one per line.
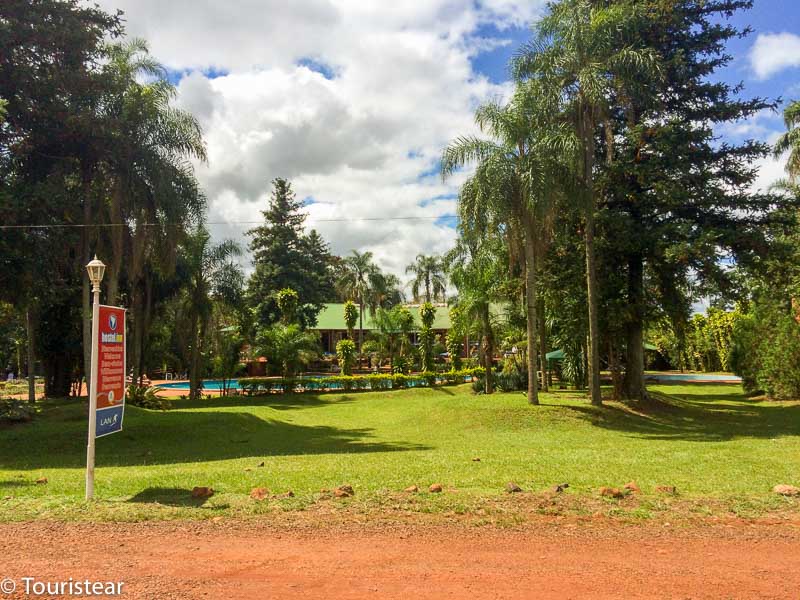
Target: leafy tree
427 314
287 301
209 268
518 179
476 267
790 141
393 328
346 353
586 53
350 317
288 348
357 279
675 197
284 257
428 276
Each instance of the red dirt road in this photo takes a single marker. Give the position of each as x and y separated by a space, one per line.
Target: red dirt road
550 560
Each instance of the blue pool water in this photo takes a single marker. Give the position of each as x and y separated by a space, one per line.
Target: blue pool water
208 384
689 377
216 384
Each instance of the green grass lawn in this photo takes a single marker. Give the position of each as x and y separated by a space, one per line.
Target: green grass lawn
709 441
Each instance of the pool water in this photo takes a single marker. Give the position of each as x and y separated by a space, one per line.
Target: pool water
208 384
233 384
689 377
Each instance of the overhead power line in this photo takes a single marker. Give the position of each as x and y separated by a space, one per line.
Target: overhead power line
339 220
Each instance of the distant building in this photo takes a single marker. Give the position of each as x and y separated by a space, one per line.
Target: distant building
332 328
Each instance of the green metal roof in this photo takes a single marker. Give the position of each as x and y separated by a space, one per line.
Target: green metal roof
332 317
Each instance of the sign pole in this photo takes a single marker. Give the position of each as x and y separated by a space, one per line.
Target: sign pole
93 394
95 269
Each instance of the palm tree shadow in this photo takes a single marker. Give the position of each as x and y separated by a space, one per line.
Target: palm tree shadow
276 401
154 438
699 418
169 497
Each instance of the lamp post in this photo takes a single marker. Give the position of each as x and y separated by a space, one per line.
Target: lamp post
96 270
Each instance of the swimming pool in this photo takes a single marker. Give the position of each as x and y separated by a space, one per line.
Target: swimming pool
689 377
208 385
212 385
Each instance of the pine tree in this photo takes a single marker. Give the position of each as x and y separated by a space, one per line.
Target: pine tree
284 257
678 194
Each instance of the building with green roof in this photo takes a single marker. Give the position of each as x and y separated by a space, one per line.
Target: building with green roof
332 327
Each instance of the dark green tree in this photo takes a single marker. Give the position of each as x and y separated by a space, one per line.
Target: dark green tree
285 257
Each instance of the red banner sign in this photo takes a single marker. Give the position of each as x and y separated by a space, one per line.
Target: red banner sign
110 369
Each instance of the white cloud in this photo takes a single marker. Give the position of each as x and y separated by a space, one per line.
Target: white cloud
765 125
359 143
770 170
774 52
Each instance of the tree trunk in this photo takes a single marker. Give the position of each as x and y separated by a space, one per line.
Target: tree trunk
594 333
117 234
136 333
29 325
543 349
633 387
614 367
488 351
360 329
194 361
530 306
586 130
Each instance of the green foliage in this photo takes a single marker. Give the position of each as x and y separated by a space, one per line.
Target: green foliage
427 314
454 347
346 353
288 348
15 411
287 301
145 398
350 383
766 350
429 278
350 317
285 257
779 358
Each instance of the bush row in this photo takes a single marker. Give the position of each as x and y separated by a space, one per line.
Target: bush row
349 383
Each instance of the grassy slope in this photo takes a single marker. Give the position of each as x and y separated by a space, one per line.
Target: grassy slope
709 441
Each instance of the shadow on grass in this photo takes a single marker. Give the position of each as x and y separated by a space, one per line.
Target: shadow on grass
276 401
699 417
168 497
181 436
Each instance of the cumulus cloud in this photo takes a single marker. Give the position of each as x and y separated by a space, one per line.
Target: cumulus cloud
774 52
352 101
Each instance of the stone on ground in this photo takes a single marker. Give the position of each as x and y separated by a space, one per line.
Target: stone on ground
786 490
435 488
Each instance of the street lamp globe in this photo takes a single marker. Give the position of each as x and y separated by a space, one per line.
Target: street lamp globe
96 270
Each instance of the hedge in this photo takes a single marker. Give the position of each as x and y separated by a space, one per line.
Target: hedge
352 383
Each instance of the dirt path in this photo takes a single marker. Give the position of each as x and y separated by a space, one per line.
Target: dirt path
547 560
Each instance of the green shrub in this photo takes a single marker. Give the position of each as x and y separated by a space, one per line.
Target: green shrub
145 398
346 353
779 374
352 383
15 411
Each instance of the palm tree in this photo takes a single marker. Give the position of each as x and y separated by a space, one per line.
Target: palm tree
357 278
210 268
790 141
289 347
429 275
476 270
515 185
585 55
151 183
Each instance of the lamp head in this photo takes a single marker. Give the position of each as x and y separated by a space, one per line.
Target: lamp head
96 270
